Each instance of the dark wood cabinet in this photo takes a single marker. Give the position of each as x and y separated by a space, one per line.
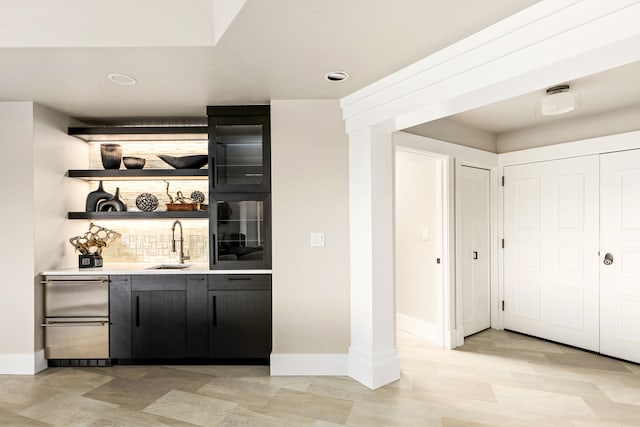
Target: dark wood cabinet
239 316
159 317
191 317
239 187
120 317
239 148
240 231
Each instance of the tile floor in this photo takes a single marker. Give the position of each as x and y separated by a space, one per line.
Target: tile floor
496 379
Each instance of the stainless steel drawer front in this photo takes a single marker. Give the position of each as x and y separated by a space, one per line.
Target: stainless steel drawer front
79 338
76 298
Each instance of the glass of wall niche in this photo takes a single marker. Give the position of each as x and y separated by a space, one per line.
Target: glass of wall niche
239 141
241 231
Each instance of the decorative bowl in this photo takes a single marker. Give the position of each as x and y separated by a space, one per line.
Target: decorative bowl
185 162
133 162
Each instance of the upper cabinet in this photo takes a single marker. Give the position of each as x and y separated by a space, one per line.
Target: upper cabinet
239 149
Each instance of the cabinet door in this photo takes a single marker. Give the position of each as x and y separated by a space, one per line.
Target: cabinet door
197 318
240 324
240 231
159 324
120 317
239 152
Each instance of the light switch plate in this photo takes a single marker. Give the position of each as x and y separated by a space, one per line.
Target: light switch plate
317 239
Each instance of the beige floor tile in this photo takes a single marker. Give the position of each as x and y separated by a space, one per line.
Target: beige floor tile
628 395
73 380
69 410
242 391
9 419
191 408
311 405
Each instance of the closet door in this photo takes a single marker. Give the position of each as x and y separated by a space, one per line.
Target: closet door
620 249
551 250
475 228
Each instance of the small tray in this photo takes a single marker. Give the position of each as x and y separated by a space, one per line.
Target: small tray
183 206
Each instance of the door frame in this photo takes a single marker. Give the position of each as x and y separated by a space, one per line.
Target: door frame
495 294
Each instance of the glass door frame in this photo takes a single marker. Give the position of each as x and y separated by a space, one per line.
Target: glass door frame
215 263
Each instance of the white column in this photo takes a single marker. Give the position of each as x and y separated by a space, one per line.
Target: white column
373 358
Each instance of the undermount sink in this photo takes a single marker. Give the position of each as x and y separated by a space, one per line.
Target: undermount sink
169 267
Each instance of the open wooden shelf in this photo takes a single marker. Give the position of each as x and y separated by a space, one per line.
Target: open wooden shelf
138 174
140 215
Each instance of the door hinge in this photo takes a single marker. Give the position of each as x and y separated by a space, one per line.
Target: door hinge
502 243
502 305
503 180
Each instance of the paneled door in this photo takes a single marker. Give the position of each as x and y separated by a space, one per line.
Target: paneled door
551 250
620 255
475 228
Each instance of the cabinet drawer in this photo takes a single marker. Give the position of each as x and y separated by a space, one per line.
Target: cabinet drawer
239 281
164 282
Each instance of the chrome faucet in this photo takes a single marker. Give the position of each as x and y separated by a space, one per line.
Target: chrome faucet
181 255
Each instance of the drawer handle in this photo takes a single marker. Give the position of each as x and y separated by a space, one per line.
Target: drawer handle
239 278
214 312
51 324
137 311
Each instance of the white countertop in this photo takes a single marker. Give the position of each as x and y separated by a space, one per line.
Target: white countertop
141 268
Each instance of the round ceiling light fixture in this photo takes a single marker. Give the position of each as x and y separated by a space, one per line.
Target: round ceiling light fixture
336 76
122 79
558 100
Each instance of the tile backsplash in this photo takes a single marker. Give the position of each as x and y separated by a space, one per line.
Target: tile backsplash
149 241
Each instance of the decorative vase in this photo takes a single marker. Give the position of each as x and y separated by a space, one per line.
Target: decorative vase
147 202
114 204
95 197
111 155
197 196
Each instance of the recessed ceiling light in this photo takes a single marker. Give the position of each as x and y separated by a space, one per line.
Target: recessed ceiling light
122 79
336 76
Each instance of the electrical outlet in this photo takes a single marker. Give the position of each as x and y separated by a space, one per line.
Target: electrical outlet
425 234
125 240
317 239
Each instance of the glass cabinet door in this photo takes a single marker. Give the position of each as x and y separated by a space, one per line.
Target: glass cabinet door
241 236
238 154
239 149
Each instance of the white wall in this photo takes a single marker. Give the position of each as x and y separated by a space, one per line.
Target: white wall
416 209
54 152
37 198
311 313
17 249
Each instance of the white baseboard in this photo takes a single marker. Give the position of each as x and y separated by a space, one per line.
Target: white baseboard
286 364
420 328
22 363
374 370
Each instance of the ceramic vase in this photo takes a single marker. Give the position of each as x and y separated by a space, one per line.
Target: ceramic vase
96 197
114 204
111 155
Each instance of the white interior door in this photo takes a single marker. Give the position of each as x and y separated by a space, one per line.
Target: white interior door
551 250
620 237
475 228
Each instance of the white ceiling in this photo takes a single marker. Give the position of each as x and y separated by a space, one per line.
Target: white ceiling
610 90
274 49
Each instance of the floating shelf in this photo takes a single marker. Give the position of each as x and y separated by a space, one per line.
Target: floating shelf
140 215
138 174
140 133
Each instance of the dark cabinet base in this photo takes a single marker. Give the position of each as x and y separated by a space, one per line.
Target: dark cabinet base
257 361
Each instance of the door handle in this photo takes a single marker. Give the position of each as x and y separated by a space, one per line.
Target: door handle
608 259
475 254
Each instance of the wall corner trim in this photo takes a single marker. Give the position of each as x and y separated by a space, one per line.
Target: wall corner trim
289 364
22 363
374 370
